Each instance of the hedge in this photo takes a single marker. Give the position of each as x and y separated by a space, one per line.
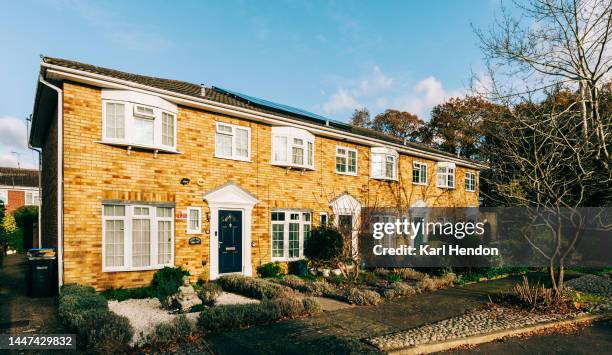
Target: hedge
244 315
254 287
98 329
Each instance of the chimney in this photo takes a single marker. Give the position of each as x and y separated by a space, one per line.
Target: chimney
203 90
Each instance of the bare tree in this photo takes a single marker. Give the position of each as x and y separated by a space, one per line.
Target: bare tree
555 42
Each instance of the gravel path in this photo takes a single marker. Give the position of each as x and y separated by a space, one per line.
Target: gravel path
477 322
144 314
593 284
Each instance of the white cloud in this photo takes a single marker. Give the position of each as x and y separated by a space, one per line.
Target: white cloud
12 133
423 96
340 101
379 91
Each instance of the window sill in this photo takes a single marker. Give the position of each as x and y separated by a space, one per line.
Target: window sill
140 146
470 191
296 167
193 232
283 259
445 187
246 160
347 174
128 269
419 183
383 179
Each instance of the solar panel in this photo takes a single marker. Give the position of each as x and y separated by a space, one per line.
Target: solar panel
273 105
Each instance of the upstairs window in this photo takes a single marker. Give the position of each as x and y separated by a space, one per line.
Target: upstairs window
346 161
445 176
233 142
137 119
419 173
384 163
470 182
292 147
32 198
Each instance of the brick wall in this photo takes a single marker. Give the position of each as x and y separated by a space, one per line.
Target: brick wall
48 206
16 199
94 172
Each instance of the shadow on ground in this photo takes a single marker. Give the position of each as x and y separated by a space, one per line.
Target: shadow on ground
19 313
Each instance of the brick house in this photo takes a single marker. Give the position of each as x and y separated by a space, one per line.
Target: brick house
142 172
19 187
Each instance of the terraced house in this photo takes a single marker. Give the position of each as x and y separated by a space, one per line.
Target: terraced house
142 172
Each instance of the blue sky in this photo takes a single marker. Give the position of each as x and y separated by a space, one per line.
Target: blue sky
328 57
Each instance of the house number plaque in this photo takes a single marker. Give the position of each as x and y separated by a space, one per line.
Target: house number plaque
195 241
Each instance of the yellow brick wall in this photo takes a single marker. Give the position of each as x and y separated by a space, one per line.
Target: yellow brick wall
94 172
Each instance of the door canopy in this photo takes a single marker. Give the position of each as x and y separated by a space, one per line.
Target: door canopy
230 195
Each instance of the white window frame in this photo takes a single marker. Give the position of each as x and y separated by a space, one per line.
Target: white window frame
346 156
470 179
234 155
131 101
444 171
196 230
290 134
418 166
32 198
4 196
385 154
285 223
321 216
127 238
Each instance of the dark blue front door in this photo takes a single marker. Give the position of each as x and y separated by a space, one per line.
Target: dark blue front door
230 241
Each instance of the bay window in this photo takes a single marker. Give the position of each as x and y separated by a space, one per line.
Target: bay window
445 175
470 181
346 161
292 147
290 229
384 163
233 142
419 173
136 237
137 119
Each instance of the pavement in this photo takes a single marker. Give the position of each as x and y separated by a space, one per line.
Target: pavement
18 312
342 331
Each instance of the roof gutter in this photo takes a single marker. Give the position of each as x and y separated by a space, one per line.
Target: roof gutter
105 81
60 180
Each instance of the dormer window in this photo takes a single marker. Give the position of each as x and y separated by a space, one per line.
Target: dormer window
384 163
292 147
445 175
135 119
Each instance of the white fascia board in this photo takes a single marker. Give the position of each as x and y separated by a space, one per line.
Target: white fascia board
186 100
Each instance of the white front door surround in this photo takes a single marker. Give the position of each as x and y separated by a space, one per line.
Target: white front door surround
230 197
346 204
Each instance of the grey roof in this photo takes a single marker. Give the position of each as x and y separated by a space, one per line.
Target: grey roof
226 97
18 177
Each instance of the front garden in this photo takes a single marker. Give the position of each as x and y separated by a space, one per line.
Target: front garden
171 311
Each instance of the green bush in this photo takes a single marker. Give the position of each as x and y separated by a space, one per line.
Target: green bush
298 267
185 328
253 287
85 312
122 294
362 297
25 216
244 315
313 288
209 292
325 245
166 283
76 302
165 333
270 270
399 289
106 332
393 278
